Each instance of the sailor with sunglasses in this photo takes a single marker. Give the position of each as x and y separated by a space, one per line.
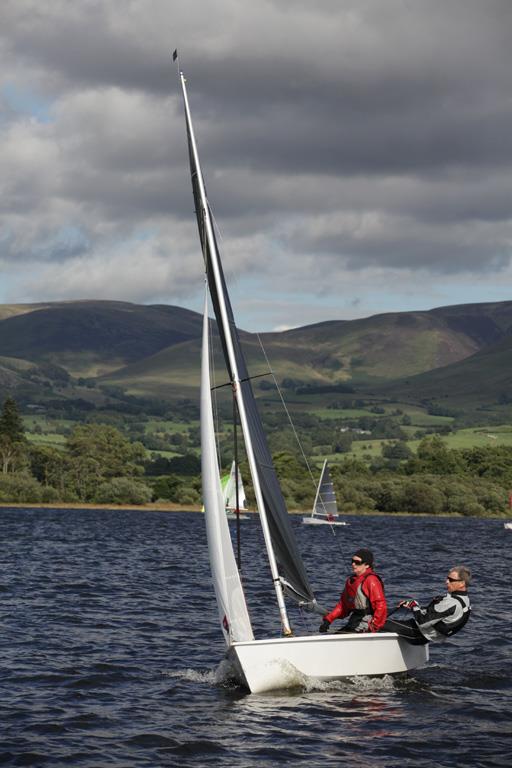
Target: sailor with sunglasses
444 615
362 599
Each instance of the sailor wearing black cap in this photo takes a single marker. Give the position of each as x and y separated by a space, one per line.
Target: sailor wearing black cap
362 599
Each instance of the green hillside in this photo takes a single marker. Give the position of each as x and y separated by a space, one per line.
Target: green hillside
381 346
485 323
357 352
485 377
89 338
76 350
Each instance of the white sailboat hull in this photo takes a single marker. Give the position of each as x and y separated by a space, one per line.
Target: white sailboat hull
267 665
322 521
507 525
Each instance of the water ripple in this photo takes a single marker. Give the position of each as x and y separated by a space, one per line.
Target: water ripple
112 655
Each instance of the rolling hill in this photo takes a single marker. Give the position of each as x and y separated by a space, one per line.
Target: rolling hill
153 351
89 338
369 351
485 377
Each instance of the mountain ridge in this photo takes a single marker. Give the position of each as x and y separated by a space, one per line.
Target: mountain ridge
153 350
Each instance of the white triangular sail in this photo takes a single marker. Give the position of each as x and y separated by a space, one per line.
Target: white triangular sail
233 614
325 502
325 507
228 483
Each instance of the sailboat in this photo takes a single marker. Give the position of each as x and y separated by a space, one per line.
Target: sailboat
284 661
234 493
325 507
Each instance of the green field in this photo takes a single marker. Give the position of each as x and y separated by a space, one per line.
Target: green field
342 413
43 431
48 431
172 427
419 416
463 438
52 439
470 438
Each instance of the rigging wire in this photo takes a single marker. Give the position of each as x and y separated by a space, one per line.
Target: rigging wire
286 410
234 278
296 435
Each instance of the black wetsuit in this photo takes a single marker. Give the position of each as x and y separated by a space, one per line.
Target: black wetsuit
442 617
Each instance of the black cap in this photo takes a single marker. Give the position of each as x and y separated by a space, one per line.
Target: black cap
366 556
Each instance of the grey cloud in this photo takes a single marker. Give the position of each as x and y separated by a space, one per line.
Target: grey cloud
308 118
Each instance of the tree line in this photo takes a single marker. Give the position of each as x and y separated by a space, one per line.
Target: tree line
99 464
436 480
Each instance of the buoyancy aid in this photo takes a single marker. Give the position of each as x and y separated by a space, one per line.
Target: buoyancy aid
356 602
449 627
444 616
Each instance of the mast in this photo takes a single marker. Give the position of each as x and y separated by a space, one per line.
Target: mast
206 227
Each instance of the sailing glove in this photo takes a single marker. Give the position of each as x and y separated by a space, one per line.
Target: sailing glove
411 605
324 626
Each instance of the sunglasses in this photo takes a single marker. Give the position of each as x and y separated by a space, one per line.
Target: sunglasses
448 578
357 562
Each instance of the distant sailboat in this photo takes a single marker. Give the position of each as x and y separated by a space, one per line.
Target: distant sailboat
229 492
325 508
280 661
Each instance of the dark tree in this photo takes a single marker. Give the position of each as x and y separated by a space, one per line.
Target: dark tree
11 423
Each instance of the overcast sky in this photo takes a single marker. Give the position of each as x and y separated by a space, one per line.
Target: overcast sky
357 153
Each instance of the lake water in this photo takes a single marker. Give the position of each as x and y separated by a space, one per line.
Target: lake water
110 648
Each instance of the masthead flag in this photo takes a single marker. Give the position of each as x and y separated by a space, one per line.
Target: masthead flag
175 55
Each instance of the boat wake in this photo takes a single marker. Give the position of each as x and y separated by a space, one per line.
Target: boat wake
291 680
356 684
193 676
224 676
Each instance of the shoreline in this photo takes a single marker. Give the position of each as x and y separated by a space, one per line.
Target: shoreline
155 507
173 507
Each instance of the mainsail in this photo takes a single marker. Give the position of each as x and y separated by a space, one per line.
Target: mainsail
325 503
292 573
